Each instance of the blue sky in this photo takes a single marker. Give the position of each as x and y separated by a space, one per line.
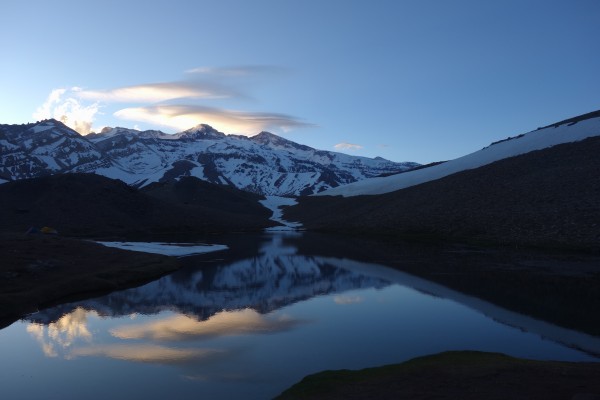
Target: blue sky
406 80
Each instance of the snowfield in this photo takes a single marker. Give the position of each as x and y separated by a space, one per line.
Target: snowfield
274 203
531 141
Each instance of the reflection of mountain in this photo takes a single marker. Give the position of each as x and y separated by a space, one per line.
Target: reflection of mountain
274 278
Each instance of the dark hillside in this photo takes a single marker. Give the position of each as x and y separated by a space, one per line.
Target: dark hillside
88 205
193 192
548 198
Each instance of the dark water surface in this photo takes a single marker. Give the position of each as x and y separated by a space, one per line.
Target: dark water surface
251 321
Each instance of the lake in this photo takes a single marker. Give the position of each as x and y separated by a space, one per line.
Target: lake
251 321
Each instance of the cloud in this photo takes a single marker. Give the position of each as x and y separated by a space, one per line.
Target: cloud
348 146
230 121
244 70
148 353
158 92
63 105
174 104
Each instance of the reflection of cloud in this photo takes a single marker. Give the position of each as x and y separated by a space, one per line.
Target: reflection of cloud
62 333
348 146
147 353
231 121
63 105
181 327
347 299
38 332
156 92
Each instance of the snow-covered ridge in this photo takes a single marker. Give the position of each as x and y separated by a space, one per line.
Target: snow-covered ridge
266 163
535 140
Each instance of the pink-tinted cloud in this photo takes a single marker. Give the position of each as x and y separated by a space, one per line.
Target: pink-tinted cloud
229 121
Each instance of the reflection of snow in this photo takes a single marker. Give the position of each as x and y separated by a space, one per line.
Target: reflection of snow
546 330
167 249
275 247
275 277
274 203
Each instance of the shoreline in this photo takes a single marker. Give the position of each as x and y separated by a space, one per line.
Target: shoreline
455 375
39 271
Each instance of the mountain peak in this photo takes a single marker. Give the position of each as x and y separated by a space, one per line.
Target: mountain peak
50 122
201 131
274 141
52 125
265 137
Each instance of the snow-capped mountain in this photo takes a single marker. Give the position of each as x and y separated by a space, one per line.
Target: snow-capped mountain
45 148
567 131
265 163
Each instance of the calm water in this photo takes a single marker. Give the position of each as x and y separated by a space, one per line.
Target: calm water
248 326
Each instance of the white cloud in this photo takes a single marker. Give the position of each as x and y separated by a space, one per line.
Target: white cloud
78 107
157 92
229 121
63 105
348 146
243 70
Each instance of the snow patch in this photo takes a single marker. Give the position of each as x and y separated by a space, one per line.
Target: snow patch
167 249
41 128
534 140
274 203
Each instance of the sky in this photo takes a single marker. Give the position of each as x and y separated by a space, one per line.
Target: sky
407 80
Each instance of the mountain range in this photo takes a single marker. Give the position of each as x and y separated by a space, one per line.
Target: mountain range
539 188
265 164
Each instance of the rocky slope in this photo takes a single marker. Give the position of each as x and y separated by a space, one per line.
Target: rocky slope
545 198
567 131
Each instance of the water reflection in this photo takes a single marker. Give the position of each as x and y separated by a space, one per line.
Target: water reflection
275 277
226 323
252 324
61 334
149 353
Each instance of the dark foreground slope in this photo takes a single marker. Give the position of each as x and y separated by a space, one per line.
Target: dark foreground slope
456 375
88 205
39 270
197 194
547 198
